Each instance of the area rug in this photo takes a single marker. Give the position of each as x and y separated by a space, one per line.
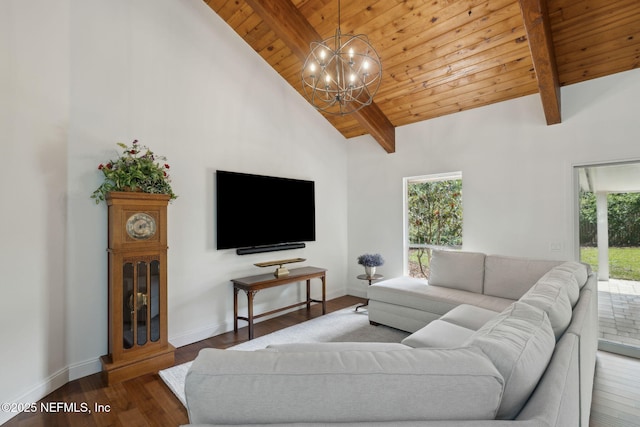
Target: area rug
346 325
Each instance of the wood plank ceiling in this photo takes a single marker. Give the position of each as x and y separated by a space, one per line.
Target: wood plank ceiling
444 56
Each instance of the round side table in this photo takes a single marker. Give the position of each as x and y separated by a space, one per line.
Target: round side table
370 279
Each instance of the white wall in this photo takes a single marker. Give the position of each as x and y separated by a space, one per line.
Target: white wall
34 104
518 189
84 74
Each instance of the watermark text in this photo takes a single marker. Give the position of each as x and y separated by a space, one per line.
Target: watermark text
55 407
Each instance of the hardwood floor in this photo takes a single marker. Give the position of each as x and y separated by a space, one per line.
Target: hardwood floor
146 401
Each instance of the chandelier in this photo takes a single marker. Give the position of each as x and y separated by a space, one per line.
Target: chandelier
341 74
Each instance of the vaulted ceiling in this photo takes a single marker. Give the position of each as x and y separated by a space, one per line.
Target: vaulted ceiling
444 56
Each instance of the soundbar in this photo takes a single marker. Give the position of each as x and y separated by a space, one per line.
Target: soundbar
269 248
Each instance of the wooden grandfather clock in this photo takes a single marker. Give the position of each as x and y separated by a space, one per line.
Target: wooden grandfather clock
137 253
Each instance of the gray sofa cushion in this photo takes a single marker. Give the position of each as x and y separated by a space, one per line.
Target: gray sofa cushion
399 317
457 270
419 295
342 386
439 334
511 277
552 299
469 316
519 342
579 270
557 277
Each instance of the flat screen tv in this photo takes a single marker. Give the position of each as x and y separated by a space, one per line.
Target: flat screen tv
261 211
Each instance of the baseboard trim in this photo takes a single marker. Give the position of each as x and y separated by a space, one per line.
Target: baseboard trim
54 382
50 384
83 369
200 334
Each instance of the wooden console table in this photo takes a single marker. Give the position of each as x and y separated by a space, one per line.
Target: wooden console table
252 284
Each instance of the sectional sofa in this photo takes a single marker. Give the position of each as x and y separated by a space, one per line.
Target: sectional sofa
497 341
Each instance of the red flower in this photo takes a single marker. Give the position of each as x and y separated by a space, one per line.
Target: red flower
100 166
165 174
132 151
109 166
135 141
167 166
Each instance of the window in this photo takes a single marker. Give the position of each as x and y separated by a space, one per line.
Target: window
433 218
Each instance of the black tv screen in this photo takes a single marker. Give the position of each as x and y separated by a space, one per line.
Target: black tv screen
258 210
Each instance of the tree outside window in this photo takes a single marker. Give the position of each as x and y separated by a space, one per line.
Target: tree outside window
434 218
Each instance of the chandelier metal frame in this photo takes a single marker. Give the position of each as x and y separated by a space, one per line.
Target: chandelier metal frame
339 77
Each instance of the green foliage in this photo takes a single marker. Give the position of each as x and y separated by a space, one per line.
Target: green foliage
623 217
624 263
435 218
137 169
435 213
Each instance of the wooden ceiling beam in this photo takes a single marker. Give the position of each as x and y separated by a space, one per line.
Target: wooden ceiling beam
290 25
538 28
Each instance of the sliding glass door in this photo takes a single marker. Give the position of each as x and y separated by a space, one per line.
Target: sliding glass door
609 233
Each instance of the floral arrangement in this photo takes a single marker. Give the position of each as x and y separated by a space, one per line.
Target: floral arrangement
137 169
370 260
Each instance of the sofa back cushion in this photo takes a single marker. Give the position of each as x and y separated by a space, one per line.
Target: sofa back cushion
519 342
562 278
579 271
457 270
551 298
510 277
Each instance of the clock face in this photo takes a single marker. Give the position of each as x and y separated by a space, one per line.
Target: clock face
141 226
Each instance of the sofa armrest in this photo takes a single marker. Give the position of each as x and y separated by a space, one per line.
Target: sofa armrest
584 325
556 402
238 387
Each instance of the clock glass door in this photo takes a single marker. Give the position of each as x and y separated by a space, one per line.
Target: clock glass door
155 300
128 313
141 303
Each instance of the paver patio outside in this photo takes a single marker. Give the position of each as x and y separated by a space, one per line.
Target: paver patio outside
619 310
